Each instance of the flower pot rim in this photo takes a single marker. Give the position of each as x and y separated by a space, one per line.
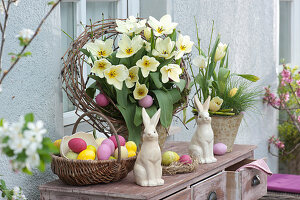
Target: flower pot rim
223 116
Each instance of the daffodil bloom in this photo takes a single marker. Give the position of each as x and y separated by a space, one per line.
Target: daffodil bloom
215 104
233 92
130 26
164 48
220 52
200 61
147 64
128 47
115 75
140 91
171 71
184 45
147 33
163 26
100 49
132 77
100 66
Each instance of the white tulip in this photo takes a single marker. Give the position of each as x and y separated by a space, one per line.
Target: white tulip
100 49
115 75
164 48
184 45
171 71
147 64
132 77
147 33
128 47
130 26
140 91
200 61
215 104
100 66
163 26
220 52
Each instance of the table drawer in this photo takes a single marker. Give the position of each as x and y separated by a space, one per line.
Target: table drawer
211 188
246 184
181 195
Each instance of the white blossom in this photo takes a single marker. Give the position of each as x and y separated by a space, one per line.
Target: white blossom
26 34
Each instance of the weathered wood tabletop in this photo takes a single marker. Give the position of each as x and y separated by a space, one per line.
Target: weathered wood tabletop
126 188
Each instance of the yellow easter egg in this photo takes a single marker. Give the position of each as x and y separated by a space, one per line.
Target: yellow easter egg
87 154
168 157
57 143
131 146
131 154
124 153
91 147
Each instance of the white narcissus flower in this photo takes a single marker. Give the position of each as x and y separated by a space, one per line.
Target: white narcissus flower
147 33
184 45
220 52
215 104
132 77
100 49
164 48
171 71
129 47
140 91
26 34
163 26
147 64
115 75
100 66
130 26
200 61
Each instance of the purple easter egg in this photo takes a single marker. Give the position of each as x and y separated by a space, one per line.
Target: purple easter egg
146 102
220 149
110 144
104 152
101 100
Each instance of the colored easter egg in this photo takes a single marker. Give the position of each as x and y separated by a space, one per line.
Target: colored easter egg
110 144
124 153
77 145
102 100
103 152
86 155
146 102
121 139
185 159
220 149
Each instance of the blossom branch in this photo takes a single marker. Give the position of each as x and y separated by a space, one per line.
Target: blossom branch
28 43
3 30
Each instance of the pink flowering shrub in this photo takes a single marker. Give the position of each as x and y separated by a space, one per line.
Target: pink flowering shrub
287 101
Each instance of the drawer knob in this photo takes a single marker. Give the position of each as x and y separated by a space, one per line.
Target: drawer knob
212 196
255 180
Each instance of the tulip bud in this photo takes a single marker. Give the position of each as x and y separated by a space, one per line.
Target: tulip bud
233 91
147 33
220 52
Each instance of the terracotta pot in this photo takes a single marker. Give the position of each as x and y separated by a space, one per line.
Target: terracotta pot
225 129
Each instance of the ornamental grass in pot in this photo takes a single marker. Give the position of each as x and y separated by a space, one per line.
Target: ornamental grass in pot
231 93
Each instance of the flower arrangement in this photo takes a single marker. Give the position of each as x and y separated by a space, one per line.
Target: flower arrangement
287 101
144 70
231 93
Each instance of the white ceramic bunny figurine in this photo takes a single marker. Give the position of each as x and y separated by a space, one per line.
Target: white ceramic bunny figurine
147 168
202 141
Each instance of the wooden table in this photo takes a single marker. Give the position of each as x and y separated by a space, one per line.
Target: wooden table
181 186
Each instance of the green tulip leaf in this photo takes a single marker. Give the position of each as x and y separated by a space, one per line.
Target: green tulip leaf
249 77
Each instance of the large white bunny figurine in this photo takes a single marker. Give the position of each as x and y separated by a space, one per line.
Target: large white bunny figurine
202 141
147 168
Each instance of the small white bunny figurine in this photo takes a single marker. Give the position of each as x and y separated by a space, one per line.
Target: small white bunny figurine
147 168
202 141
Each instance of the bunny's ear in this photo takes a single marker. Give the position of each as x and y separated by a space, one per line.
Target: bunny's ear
206 104
155 118
146 118
198 104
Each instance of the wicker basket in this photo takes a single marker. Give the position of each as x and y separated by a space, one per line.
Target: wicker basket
75 82
86 172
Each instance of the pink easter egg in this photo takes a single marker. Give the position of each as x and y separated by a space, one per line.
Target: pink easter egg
77 145
146 102
220 149
110 144
121 139
101 100
104 152
185 159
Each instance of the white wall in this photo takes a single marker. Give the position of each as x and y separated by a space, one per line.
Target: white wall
250 29
34 84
